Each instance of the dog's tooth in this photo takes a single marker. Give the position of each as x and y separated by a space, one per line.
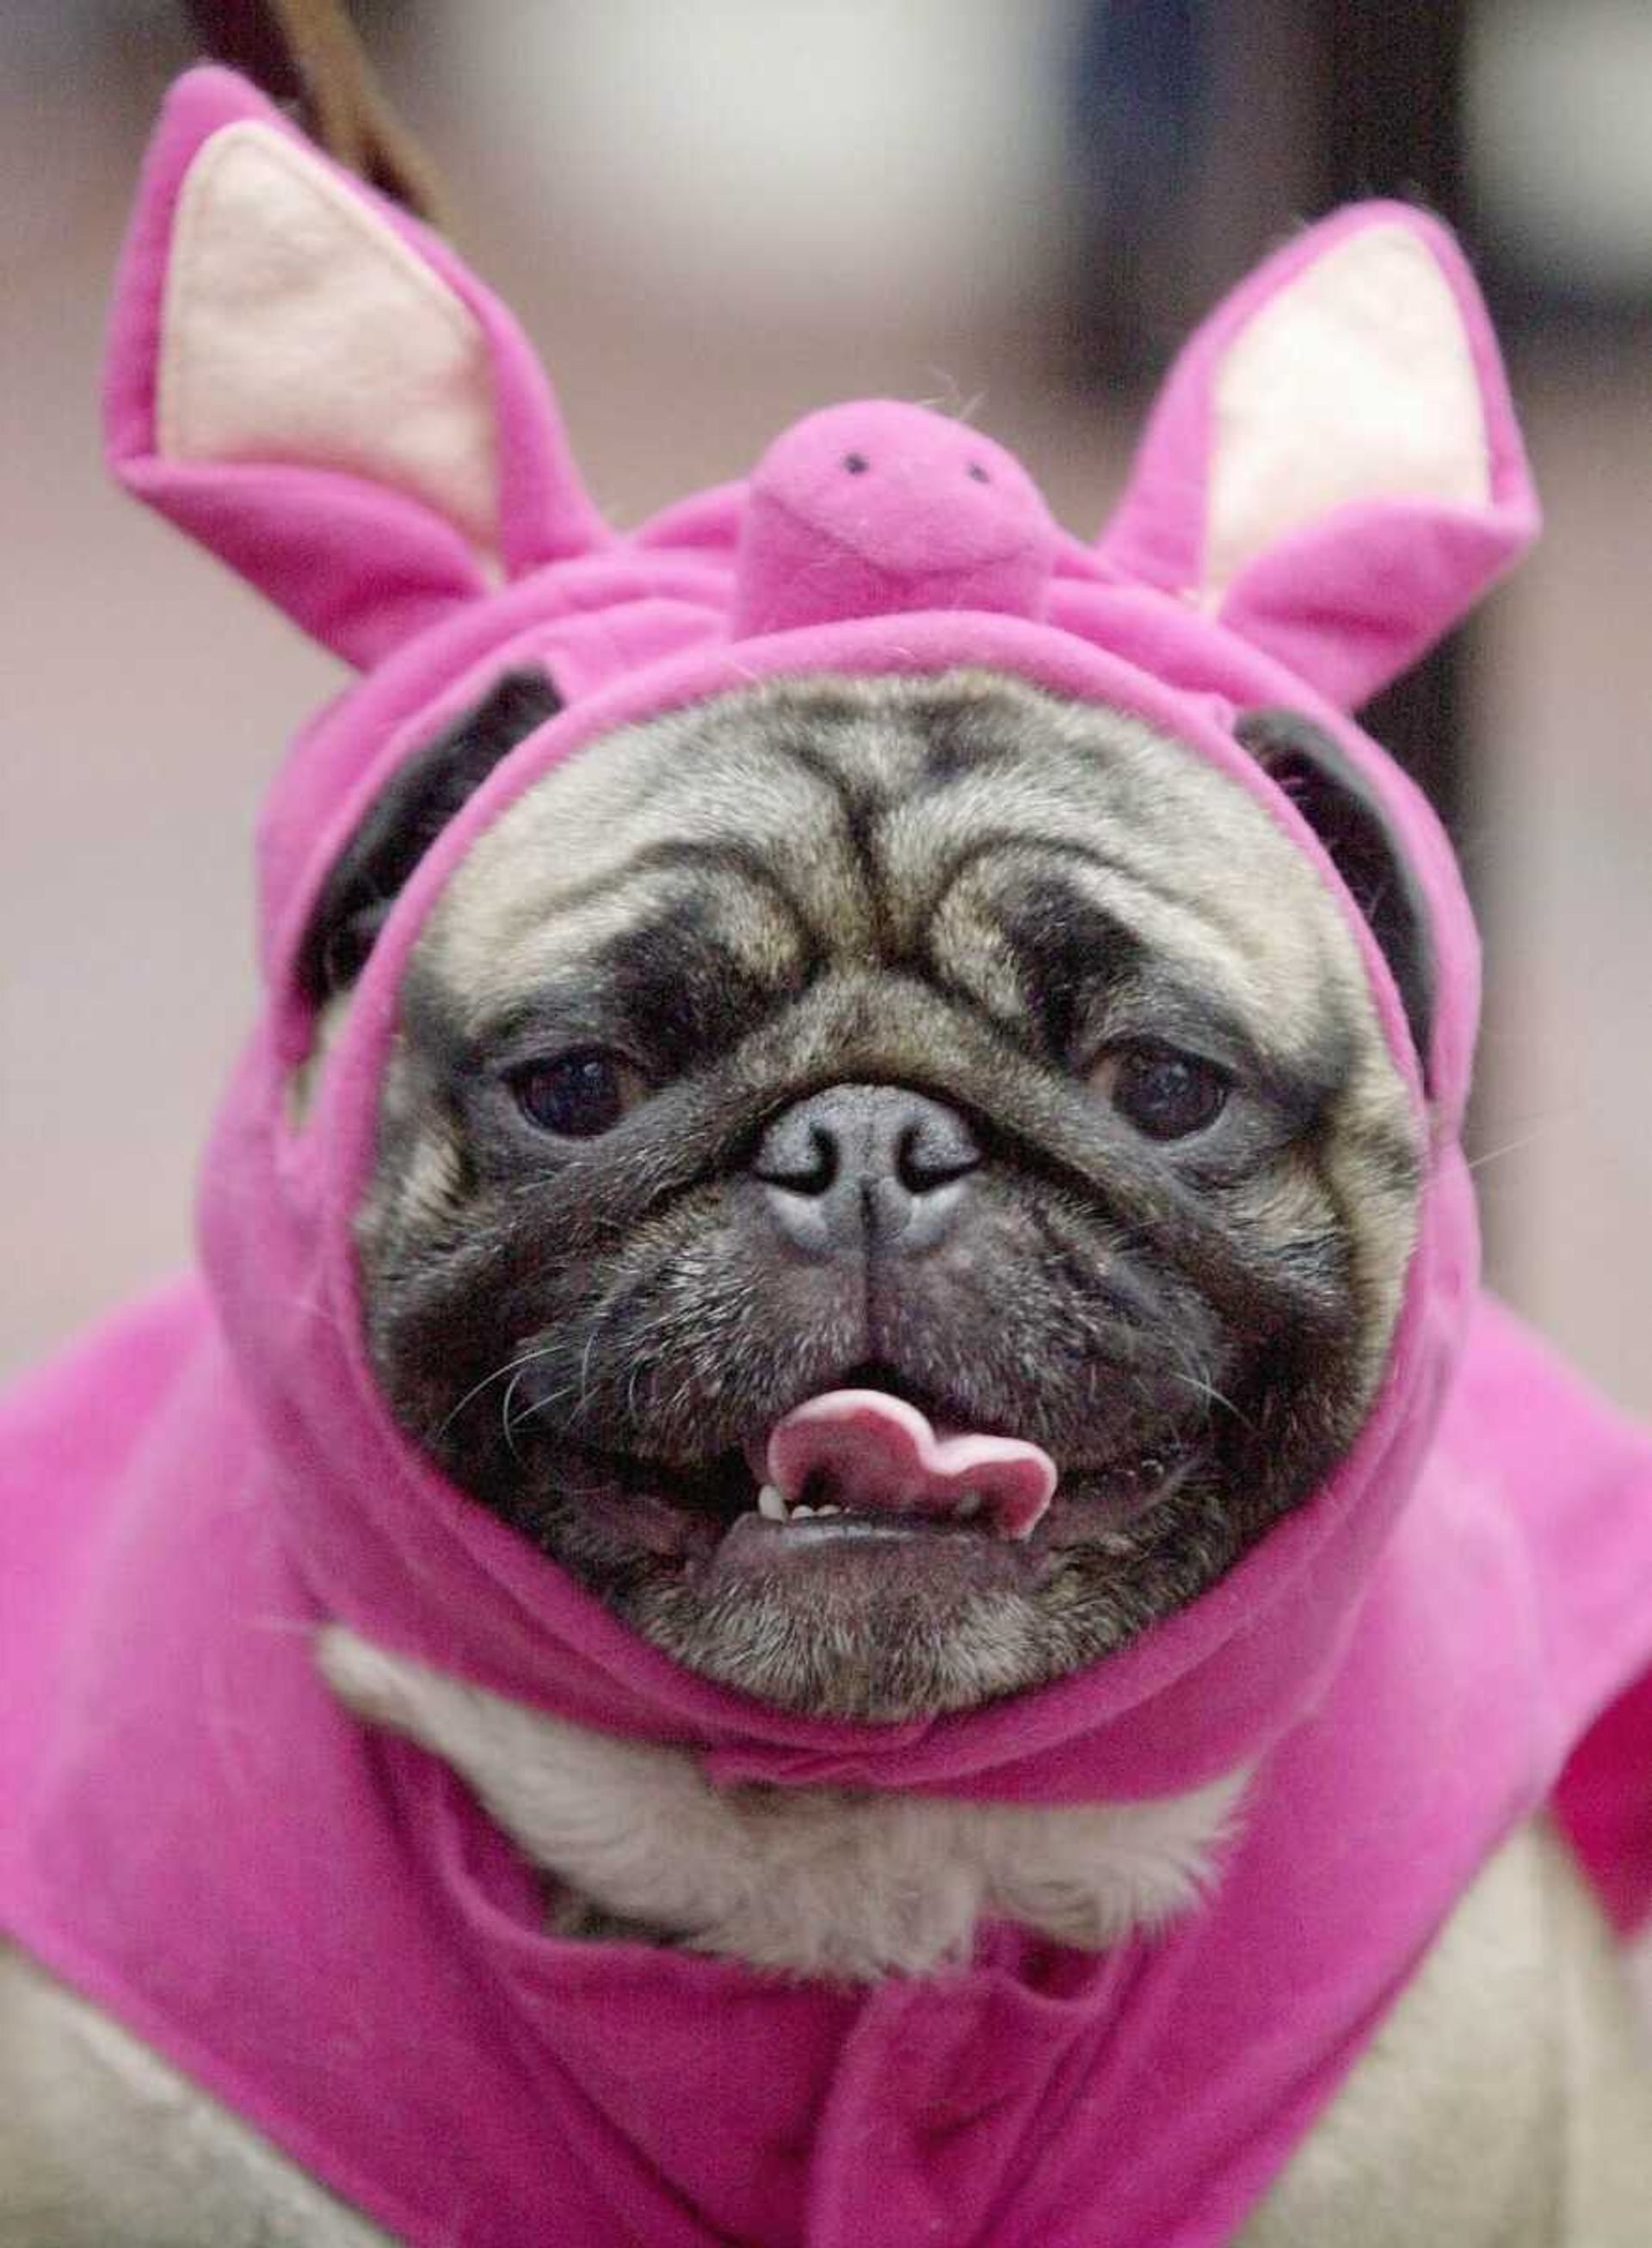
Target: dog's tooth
796 1510
771 1505
827 1510
969 1506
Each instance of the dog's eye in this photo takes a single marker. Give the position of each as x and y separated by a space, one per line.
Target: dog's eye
1165 1095
577 1095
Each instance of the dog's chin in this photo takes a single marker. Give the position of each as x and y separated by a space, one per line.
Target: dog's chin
839 1612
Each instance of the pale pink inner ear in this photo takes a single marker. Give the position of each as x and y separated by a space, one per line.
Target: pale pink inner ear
298 327
1356 381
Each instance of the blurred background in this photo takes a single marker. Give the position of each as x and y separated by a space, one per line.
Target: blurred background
712 215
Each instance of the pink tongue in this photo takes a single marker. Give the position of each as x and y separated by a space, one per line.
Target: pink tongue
873 1453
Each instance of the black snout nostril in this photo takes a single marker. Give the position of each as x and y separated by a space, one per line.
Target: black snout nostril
809 1168
926 1157
865 1165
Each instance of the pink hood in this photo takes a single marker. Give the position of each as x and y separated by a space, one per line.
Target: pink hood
319 1924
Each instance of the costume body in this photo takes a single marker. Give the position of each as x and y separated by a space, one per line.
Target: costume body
319 1924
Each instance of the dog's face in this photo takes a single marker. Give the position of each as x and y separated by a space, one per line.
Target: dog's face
936 1036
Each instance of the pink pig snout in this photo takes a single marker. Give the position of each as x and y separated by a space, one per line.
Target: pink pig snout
873 507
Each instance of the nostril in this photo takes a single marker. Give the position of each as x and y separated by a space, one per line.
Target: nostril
976 474
926 1159
857 463
809 1168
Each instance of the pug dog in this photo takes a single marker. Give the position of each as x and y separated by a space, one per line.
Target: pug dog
906 1037
946 1042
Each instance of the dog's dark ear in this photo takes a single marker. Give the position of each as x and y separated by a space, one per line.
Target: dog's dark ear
403 822
1338 805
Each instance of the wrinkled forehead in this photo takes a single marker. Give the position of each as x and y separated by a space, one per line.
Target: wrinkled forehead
886 821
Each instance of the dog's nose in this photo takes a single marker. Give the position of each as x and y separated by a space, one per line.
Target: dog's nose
862 1166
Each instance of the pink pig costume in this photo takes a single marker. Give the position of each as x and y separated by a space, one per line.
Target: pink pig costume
317 1922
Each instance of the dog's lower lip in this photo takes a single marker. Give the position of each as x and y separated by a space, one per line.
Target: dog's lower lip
938 1561
839 1526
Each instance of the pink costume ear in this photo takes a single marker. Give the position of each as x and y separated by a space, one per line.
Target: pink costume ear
1333 469
312 385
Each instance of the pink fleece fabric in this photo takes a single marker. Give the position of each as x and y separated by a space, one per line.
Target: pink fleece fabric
318 1923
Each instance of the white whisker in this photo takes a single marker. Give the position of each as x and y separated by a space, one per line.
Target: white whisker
511 1366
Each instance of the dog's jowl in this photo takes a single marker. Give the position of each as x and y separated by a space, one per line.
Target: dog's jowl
834 1550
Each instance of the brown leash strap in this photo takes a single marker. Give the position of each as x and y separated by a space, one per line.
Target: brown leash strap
309 53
